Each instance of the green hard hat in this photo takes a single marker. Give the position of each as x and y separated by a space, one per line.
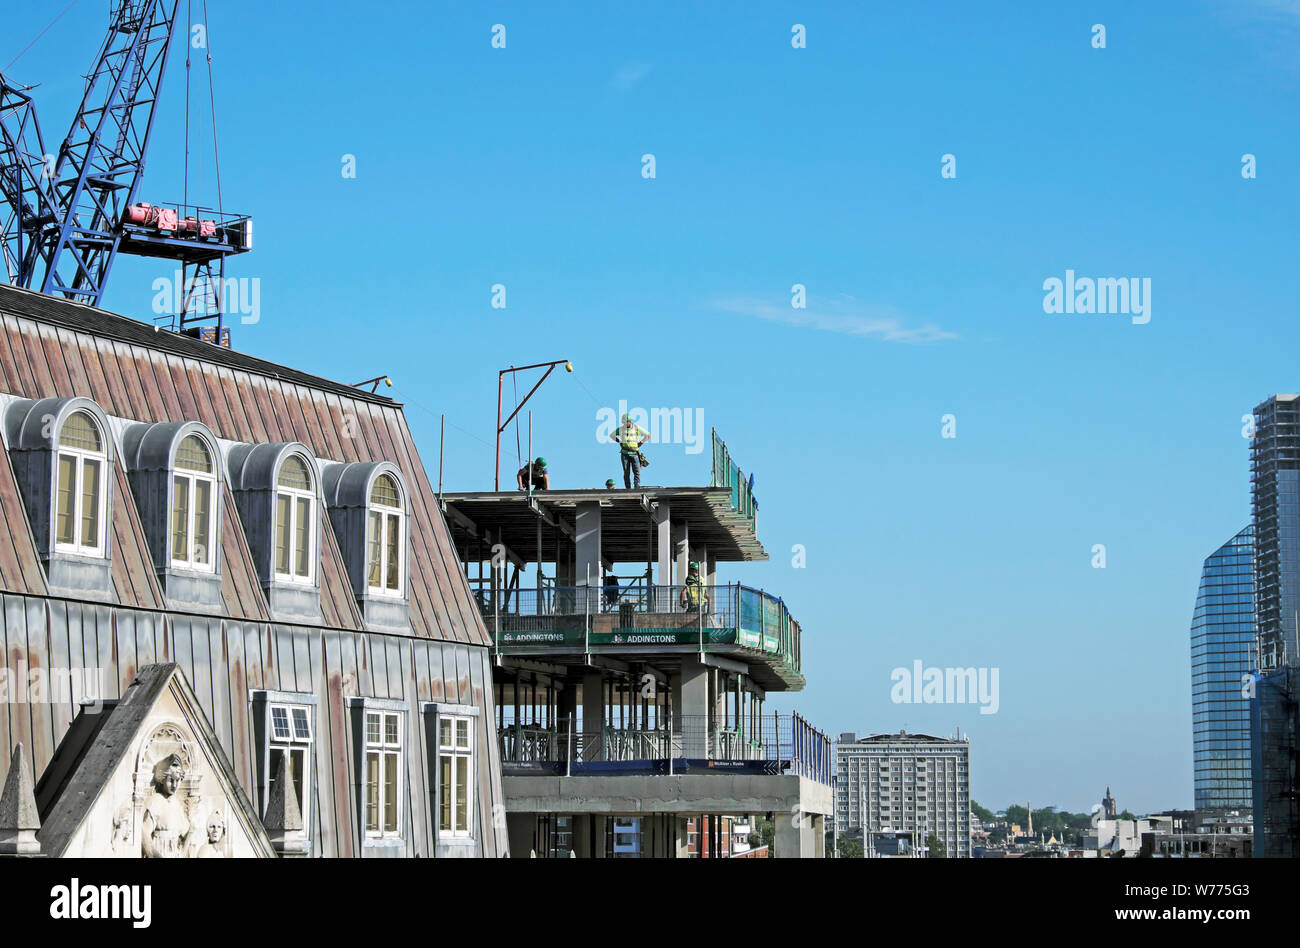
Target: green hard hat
695 565
609 482
540 462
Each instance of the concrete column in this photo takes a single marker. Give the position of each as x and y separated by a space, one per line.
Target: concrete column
692 716
582 835
563 573
566 707
521 830
588 559
795 835
664 836
681 552
682 826
593 715
664 553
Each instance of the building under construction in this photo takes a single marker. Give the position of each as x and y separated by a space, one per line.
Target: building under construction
1275 501
630 701
1275 725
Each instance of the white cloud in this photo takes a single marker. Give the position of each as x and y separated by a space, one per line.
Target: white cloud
629 74
844 315
1280 6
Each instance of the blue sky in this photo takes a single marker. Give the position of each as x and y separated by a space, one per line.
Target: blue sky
818 166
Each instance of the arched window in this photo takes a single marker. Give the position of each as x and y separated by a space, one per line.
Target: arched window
295 521
80 505
385 538
194 485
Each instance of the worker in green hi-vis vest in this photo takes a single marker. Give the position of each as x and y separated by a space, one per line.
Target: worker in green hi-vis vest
695 597
629 438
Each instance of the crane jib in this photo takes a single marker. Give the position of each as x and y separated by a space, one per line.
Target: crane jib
66 217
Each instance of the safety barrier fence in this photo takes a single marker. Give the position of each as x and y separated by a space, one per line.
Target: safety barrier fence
787 740
567 615
727 474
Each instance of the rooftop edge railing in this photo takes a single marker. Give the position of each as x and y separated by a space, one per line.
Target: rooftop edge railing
760 620
788 740
726 473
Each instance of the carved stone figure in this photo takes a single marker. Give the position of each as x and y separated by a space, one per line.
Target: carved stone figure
120 841
165 826
216 830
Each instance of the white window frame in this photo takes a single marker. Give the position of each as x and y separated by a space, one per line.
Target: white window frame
191 477
79 458
469 714
290 703
383 749
294 494
384 513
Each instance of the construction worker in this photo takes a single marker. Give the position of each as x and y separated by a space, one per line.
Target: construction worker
612 590
629 438
609 483
695 597
537 473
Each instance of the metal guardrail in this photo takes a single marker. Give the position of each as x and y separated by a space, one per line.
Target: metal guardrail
760 620
727 474
721 601
787 739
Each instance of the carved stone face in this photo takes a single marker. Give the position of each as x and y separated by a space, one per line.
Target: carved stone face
216 828
168 775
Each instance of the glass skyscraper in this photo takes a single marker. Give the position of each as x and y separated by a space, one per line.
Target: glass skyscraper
1275 713
1223 658
1275 501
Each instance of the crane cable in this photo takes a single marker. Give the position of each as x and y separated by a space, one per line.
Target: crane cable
42 33
212 103
188 30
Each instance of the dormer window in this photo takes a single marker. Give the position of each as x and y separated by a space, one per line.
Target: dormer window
177 475
194 485
277 491
369 507
295 522
80 509
385 538
64 455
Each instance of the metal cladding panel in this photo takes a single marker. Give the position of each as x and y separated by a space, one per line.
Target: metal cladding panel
20 568
214 656
51 347
135 580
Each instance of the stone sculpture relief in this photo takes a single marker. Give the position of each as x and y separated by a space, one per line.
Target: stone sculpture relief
165 826
175 819
213 848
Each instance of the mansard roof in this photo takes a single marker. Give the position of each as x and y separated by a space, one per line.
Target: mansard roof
54 348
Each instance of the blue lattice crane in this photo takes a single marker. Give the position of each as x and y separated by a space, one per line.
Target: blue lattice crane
29 206
68 216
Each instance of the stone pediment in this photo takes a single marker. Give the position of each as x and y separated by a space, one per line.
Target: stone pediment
149 780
